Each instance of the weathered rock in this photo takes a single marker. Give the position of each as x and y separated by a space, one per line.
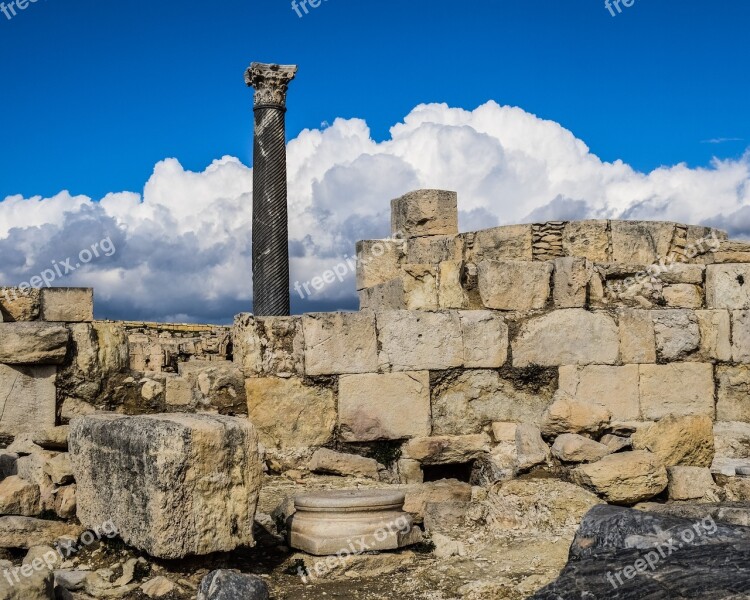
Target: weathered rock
451 292
28 398
27 584
309 412
33 343
715 331
574 448
217 385
52 438
65 502
741 336
587 238
158 587
614 388
537 505
640 242
384 296
199 497
379 261
679 440
410 471
68 305
733 391
631 555
615 443
43 557
690 483
229 585
728 286
732 440
570 282
388 406
637 337
266 346
19 497
27 532
676 388
434 249
417 341
624 478
440 450
530 447
18 304
59 469
337 343
466 402
485 339
514 285
568 415
444 516
567 337
338 463
425 212
504 431
420 287
510 242
446 490
677 334
683 295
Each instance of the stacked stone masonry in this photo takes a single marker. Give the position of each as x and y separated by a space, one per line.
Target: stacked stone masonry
464 335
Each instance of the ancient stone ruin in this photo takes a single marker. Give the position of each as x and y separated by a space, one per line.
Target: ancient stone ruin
513 392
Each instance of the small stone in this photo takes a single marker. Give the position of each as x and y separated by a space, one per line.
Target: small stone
338 463
230 585
59 469
567 415
615 443
574 448
530 447
158 587
19 497
624 478
679 440
690 483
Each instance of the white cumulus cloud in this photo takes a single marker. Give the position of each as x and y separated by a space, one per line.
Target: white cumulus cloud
183 246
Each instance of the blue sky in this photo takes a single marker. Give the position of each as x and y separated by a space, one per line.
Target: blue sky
95 93
131 121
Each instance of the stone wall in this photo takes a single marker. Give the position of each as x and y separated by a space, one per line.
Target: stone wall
465 338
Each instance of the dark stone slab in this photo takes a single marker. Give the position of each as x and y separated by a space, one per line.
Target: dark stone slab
229 585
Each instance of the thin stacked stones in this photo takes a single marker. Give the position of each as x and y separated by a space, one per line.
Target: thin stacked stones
547 240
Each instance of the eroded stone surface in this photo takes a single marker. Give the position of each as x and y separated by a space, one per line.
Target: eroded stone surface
33 343
425 212
679 440
624 478
337 343
514 285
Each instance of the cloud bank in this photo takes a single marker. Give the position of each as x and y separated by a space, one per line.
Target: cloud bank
183 246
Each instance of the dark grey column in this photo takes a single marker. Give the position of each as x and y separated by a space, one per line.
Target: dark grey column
270 220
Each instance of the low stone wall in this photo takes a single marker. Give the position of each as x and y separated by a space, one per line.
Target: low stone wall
464 336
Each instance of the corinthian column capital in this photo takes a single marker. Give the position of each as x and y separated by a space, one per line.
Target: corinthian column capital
270 83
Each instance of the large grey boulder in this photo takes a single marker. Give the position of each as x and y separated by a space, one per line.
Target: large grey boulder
229 585
172 484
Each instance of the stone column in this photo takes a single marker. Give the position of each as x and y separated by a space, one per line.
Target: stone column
270 225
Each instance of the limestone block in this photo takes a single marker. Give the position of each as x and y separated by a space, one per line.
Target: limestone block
624 478
446 449
268 345
410 471
690 483
567 337
683 295
173 485
416 341
469 401
288 413
65 502
504 431
347 465
728 286
571 281
384 296
568 415
179 393
379 261
510 242
33 343
67 305
640 242
18 304
425 212
338 343
514 285
732 440
28 399
741 336
733 393
530 447
434 249
589 239
451 293
445 516
59 469
218 386
387 406
27 532
637 337
615 443
420 287
715 331
574 448
677 334
34 584
328 522
730 252
485 339
446 490
682 273
19 497
614 388
679 440
676 388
